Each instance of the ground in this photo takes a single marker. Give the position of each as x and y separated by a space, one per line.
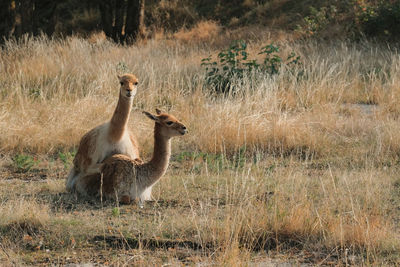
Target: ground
187 223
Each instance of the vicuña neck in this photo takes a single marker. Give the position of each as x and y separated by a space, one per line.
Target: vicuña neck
120 118
157 166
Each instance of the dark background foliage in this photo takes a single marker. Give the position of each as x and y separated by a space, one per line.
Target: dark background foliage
125 20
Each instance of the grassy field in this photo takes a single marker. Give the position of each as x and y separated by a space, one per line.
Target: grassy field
298 167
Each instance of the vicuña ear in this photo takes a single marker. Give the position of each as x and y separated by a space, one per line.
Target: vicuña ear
158 111
119 77
150 116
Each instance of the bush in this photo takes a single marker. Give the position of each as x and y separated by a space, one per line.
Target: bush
318 20
24 163
234 65
67 158
170 15
382 20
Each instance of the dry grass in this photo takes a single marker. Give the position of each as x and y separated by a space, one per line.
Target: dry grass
29 213
301 168
203 31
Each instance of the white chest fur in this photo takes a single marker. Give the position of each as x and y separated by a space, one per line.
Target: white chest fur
104 148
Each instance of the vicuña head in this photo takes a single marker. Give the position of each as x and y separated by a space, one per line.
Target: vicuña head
168 125
128 179
129 84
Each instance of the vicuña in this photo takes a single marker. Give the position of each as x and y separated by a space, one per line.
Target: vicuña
112 137
127 179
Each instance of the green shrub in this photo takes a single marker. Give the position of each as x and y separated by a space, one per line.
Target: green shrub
24 163
382 20
234 63
318 20
67 158
115 212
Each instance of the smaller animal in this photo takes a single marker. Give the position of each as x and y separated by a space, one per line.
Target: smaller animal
126 179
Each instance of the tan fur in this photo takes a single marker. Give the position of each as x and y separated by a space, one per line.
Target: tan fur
127 179
82 159
119 118
110 138
135 144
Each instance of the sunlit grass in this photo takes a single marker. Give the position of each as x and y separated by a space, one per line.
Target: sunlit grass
305 160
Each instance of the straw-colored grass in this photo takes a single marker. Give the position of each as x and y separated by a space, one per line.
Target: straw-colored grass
301 166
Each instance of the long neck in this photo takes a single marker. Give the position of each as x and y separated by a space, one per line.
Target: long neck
120 119
157 166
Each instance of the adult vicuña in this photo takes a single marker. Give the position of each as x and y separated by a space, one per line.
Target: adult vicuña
127 179
112 137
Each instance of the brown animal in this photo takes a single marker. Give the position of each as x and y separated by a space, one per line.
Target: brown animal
126 179
112 137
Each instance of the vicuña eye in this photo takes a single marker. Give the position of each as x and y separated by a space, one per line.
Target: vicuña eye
136 83
169 122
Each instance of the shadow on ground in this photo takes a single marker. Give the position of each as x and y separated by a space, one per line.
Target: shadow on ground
118 242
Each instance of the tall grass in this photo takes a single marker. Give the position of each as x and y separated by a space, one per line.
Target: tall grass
55 90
